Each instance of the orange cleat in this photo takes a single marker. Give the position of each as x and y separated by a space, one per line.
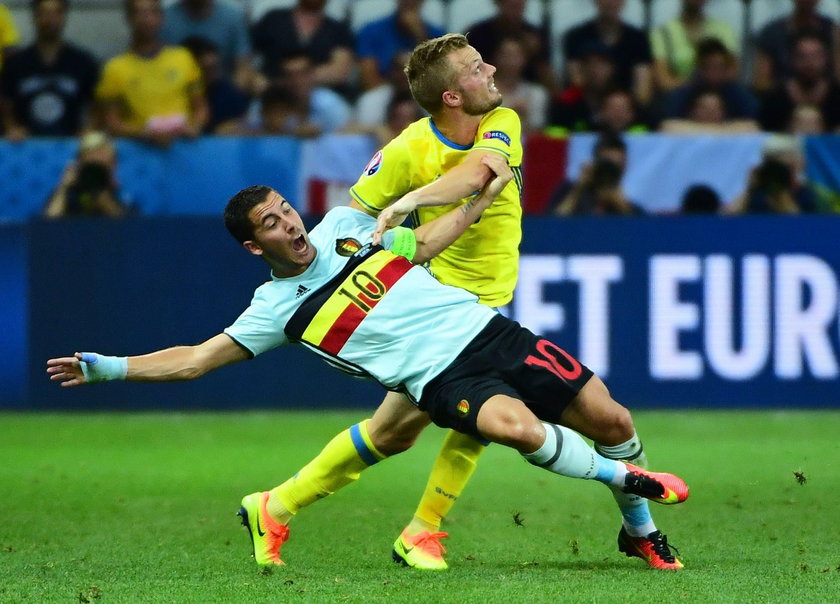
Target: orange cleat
267 535
653 549
659 487
423 550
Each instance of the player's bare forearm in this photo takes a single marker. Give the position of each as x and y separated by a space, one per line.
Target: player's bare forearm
185 362
461 181
458 183
170 364
435 236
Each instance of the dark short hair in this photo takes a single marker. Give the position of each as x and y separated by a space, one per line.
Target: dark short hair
700 199
711 46
609 140
200 46
34 4
236 211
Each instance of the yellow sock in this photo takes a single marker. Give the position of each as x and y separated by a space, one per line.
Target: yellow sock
453 467
338 464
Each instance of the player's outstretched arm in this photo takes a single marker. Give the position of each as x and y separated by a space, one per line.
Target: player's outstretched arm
169 364
435 236
461 181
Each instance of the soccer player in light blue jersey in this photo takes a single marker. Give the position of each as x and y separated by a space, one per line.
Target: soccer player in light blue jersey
370 310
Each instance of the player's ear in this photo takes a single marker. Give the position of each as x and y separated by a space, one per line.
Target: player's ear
253 247
451 98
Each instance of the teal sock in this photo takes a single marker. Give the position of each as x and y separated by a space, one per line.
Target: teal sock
565 452
635 511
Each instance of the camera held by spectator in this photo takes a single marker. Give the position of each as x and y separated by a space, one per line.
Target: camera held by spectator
778 184
598 190
88 186
605 187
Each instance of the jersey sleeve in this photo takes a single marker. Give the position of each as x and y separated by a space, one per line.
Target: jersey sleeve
257 328
109 87
501 131
386 178
9 35
192 73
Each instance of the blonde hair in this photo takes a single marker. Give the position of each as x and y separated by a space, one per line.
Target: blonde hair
429 71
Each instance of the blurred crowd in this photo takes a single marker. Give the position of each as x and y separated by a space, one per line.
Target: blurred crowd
196 67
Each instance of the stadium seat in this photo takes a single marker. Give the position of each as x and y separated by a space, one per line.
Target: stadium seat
662 11
765 11
463 13
365 11
85 21
337 9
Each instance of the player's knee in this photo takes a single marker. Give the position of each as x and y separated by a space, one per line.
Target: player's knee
397 437
617 426
395 443
522 431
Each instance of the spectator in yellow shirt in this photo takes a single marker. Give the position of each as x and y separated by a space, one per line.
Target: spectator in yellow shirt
9 36
153 92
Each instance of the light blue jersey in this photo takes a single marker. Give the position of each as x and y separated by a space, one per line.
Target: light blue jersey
365 309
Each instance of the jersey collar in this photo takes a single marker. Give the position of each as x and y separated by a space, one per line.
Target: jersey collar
445 140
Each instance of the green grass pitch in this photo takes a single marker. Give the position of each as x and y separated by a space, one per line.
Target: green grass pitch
140 508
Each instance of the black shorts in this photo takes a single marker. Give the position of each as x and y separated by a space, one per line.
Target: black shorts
504 358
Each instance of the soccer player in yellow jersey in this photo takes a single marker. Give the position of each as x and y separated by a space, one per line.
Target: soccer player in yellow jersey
484 260
436 162
153 92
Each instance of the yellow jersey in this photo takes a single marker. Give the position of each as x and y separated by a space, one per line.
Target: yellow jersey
151 87
485 259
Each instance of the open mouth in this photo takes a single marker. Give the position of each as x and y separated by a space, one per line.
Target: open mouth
299 244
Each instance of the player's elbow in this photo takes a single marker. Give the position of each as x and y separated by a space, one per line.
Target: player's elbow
191 372
195 366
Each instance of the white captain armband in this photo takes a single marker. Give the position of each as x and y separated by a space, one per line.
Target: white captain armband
405 242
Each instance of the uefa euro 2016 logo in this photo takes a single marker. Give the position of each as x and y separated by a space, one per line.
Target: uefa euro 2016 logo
374 164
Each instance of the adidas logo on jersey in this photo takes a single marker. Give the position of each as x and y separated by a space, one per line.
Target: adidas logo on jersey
301 291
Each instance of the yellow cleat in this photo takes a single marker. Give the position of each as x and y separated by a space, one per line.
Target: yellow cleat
423 550
267 535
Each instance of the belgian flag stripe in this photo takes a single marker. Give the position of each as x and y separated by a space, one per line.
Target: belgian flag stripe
342 328
325 317
339 317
